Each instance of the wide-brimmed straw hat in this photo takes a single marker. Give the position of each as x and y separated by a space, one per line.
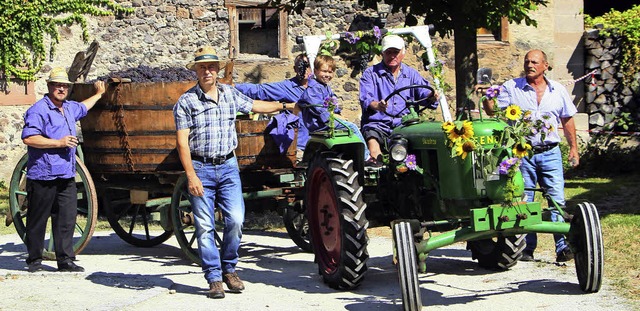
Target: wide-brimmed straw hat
205 54
58 75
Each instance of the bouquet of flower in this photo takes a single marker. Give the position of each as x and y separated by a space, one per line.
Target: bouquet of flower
514 138
331 104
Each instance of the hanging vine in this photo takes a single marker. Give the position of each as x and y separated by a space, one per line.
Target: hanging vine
24 25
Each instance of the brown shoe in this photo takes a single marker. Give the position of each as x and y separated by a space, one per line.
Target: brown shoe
233 282
215 290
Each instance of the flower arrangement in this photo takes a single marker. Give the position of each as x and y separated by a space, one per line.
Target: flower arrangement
409 164
364 44
331 104
514 138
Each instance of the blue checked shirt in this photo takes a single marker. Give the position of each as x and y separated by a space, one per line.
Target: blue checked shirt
211 124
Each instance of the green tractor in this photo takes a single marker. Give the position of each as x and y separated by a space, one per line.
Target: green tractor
437 193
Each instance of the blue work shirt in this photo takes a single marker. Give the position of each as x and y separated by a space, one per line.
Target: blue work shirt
44 118
211 124
555 102
377 83
314 115
288 91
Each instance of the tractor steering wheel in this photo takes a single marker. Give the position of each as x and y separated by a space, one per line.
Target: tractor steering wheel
409 102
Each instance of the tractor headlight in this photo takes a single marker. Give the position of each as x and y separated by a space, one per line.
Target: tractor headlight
397 148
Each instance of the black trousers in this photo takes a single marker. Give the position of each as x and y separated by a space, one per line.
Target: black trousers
57 199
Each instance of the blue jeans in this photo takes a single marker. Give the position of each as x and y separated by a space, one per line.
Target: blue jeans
545 169
356 131
223 190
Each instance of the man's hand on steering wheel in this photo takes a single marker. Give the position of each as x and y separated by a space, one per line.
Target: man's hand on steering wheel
407 101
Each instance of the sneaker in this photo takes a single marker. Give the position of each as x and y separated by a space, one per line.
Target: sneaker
215 290
233 282
372 162
527 256
35 267
69 266
565 255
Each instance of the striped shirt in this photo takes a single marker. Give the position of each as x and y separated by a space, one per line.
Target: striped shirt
211 124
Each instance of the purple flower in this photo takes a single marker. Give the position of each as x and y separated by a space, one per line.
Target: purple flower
505 165
493 92
351 37
410 162
330 101
376 32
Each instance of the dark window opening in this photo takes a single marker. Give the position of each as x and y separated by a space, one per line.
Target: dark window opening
258 31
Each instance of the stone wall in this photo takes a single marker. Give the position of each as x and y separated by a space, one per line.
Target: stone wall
164 34
607 98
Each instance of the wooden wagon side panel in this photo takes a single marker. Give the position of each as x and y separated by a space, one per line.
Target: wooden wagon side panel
131 129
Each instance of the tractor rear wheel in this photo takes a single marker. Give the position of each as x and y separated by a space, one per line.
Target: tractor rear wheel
407 266
500 253
585 237
337 222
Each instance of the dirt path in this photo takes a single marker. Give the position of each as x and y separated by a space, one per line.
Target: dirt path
279 277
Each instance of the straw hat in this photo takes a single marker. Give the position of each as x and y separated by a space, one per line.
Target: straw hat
58 75
392 42
205 54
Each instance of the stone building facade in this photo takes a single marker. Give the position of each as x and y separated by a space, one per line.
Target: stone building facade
164 34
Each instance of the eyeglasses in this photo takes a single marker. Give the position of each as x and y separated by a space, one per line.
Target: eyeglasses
56 86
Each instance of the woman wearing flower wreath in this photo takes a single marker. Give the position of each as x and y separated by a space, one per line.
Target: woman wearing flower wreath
546 100
318 102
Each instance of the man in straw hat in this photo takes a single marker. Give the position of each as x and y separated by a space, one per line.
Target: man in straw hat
50 135
376 83
206 138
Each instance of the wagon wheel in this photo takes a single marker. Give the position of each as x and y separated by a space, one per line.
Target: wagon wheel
500 253
87 207
407 266
184 223
132 222
337 221
585 238
297 225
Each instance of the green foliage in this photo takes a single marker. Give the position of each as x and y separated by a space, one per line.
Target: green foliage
446 15
24 25
627 25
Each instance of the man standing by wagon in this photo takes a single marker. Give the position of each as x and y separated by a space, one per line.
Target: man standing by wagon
548 100
50 135
206 139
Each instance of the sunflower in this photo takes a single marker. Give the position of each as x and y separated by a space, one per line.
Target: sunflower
463 148
462 131
521 151
513 112
448 126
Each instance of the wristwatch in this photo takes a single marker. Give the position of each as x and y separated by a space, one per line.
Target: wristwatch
284 106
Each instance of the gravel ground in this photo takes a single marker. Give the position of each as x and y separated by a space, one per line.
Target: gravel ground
279 277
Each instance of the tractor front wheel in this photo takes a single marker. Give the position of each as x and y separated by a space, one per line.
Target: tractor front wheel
585 238
500 253
337 222
407 266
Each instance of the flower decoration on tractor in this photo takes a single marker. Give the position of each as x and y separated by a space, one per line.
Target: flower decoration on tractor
514 138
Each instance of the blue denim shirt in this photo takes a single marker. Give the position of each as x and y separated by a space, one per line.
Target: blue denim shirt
555 102
44 118
212 124
288 91
377 83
